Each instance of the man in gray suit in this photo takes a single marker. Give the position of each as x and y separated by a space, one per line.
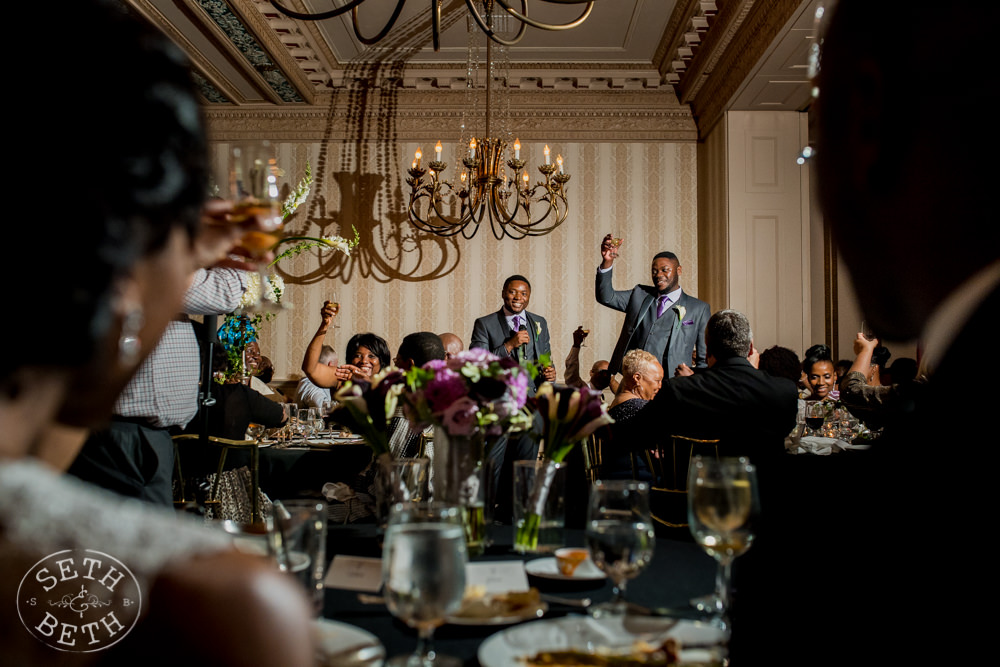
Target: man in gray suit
514 332
659 318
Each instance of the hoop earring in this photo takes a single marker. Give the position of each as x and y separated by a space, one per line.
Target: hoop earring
128 342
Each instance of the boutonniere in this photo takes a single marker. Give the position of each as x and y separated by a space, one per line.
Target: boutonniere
681 312
538 328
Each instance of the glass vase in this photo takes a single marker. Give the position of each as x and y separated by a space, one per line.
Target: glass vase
463 476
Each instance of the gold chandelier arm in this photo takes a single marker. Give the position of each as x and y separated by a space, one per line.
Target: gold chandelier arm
523 18
368 41
318 16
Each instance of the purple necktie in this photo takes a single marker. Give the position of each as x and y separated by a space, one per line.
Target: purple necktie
662 307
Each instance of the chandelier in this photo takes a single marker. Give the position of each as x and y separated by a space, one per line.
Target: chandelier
486 190
480 18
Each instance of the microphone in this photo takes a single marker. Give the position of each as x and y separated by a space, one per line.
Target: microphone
523 346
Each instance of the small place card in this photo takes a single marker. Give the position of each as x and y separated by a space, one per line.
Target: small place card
355 573
501 576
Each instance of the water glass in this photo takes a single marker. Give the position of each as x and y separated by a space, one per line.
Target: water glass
298 543
620 535
423 569
399 481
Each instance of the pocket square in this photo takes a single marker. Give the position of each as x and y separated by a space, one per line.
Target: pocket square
687 323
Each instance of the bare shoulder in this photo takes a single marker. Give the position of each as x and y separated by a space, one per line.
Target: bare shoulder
231 608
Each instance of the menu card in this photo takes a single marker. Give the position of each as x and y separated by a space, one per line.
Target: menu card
355 573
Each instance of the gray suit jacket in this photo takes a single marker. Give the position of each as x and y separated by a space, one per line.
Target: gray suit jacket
638 304
490 331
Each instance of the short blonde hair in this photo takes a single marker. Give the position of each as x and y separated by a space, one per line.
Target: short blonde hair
639 362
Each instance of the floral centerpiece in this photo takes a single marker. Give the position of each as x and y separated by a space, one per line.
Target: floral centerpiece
473 392
569 415
471 400
367 405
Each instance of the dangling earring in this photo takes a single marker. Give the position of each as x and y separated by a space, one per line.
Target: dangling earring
129 343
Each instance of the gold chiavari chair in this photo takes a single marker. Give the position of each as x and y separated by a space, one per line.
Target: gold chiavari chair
669 461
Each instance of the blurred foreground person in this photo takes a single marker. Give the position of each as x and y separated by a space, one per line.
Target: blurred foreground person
873 546
177 592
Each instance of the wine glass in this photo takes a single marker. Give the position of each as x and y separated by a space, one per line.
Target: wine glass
722 505
423 567
304 419
335 304
620 535
252 177
815 416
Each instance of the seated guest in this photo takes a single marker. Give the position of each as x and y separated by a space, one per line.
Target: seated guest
750 411
236 406
781 362
600 378
642 376
452 344
307 394
865 400
415 350
842 366
367 354
134 239
820 373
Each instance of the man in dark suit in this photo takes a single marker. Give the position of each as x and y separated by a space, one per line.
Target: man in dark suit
873 553
514 332
659 318
750 411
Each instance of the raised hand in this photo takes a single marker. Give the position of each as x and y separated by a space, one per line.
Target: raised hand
609 250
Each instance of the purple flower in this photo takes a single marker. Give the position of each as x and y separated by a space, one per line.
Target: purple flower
446 387
459 418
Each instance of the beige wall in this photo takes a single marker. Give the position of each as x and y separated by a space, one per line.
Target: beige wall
399 281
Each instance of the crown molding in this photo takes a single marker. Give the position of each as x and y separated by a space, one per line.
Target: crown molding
420 115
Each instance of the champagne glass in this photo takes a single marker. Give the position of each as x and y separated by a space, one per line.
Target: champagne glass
423 567
620 535
335 304
722 505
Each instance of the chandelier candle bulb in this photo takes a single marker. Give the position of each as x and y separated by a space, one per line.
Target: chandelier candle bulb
546 151
437 151
472 148
517 149
417 156
559 161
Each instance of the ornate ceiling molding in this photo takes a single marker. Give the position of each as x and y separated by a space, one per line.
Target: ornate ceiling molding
421 115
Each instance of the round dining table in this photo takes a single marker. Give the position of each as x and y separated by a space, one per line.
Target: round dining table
678 572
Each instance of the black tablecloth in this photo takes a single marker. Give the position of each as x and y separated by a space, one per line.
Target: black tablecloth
679 571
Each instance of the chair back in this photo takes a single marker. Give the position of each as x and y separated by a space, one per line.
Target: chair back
669 462
253 492
592 457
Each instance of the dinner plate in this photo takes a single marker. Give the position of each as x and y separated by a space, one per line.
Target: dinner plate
525 614
342 644
546 568
701 643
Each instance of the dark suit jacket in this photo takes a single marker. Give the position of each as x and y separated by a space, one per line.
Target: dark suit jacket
490 331
750 411
639 304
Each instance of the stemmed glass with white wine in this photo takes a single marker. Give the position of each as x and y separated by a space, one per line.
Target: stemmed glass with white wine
423 567
722 505
620 535
252 185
